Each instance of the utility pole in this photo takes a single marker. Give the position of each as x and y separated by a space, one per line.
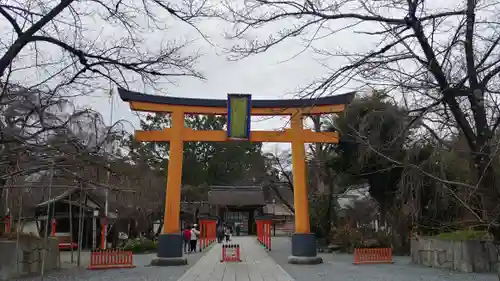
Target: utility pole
47 222
108 174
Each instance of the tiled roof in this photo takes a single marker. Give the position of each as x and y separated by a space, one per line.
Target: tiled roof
236 196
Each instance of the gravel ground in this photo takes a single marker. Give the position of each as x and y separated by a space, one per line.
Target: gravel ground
339 267
143 271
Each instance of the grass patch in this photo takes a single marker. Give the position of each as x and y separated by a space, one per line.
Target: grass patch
465 235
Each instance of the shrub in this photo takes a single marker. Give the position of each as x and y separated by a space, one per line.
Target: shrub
468 234
347 238
139 246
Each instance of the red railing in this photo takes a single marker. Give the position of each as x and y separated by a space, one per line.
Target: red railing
264 225
113 258
207 232
231 253
372 255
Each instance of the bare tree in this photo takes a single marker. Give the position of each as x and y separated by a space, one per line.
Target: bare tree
51 51
85 43
41 131
278 172
441 58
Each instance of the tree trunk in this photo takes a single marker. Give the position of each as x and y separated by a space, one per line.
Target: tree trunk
498 268
329 214
3 207
487 190
158 231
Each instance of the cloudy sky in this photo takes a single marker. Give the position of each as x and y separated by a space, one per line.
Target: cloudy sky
271 75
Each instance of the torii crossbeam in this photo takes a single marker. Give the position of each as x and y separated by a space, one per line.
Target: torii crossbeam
170 241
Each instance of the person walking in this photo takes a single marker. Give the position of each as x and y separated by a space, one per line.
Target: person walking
227 233
220 233
186 236
193 238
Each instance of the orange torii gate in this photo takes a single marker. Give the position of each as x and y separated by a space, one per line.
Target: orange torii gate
238 108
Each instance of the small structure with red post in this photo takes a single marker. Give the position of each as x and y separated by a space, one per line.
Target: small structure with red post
109 259
6 224
64 242
231 253
104 227
207 230
53 229
264 225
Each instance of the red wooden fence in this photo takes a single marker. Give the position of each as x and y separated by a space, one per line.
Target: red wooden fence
113 258
372 255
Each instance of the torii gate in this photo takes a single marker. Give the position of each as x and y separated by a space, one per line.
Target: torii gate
238 108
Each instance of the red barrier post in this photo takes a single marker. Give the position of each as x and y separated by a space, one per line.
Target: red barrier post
202 234
264 226
238 252
266 231
54 225
259 231
205 234
263 236
104 224
214 226
268 234
262 232
211 232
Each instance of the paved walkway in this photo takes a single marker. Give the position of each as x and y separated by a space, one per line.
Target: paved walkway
256 265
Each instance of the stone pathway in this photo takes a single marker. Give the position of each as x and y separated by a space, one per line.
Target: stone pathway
256 265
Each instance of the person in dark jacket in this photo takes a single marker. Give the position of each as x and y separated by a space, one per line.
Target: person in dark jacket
227 234
220 233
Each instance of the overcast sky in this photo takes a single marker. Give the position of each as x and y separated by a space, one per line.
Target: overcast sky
272 75
264 76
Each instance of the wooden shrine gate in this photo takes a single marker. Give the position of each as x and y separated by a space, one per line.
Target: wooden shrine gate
239 109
